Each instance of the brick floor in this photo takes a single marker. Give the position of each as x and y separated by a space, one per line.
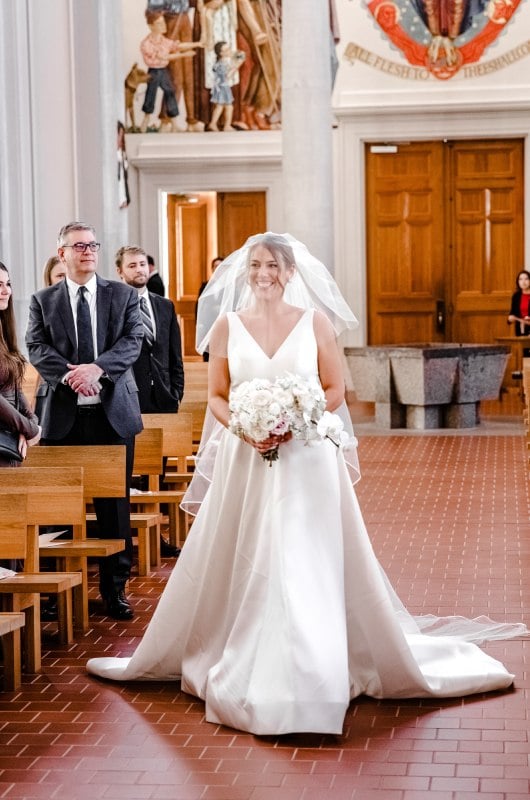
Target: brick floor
448 514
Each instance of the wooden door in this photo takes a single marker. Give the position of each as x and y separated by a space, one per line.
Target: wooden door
213 224
445 240
487 240
405 242
187 225
239 215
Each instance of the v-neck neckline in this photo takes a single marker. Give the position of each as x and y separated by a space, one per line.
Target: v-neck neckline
270 358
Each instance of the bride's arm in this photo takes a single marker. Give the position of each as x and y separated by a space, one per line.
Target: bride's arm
329 362
218 372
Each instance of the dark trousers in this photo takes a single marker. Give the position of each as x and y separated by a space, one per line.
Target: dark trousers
91 427
160 79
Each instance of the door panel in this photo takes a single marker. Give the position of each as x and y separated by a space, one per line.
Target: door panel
405 242
239 215
486 187
445 240
188 257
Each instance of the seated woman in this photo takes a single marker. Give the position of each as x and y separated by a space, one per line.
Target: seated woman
16 418
520 308
15 414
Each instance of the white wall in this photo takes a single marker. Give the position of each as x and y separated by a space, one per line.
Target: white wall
360 84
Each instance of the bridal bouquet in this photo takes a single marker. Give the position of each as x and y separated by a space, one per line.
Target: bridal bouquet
261 408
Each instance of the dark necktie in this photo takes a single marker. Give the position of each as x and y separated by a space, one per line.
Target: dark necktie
85 343
149 333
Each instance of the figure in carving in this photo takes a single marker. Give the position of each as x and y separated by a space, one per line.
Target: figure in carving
222 97
158 51
135 78
179 28
446 20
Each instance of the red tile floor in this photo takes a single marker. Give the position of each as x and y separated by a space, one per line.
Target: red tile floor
448 513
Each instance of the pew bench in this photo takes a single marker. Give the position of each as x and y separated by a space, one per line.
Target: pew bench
10 625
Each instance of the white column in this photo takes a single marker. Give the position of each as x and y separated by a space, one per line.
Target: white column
307 125
61 94
99 103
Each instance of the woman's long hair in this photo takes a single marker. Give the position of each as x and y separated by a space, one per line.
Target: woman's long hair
12 359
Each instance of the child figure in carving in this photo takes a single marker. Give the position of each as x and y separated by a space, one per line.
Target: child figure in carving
226 65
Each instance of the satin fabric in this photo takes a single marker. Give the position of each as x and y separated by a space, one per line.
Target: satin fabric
277 612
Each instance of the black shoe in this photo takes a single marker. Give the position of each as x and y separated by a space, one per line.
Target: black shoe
168 550
117 606
48 612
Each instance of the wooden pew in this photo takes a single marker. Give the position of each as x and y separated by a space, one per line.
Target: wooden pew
197 408
103 476
195 400
103 466
10 625
56 498
146 521
177 446
18 540
196 376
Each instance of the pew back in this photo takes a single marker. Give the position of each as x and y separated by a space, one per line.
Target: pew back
103 466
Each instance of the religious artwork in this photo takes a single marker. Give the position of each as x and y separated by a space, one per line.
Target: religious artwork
440 37
176 77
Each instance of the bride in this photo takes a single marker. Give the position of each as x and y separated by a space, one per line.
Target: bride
278 613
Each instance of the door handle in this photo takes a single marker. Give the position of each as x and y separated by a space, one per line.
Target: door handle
440 316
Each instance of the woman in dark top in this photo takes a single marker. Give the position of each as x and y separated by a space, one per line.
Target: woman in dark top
520 307
15 414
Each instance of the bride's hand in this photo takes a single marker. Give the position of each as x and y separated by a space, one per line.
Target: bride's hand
269 444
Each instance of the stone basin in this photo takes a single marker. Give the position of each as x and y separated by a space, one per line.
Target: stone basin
427 385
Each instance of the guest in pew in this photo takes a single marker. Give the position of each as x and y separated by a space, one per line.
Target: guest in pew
16 416
520 309
215 263
84 334
54 271
155 284
159 371
15 413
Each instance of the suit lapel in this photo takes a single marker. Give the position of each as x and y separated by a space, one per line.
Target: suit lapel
64 310
103 304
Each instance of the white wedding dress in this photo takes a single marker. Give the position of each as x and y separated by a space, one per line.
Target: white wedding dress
277 612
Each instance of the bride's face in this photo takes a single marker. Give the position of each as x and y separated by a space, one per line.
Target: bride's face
267 275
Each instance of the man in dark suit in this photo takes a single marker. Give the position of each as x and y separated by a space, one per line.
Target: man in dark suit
155 284
84 334
159 370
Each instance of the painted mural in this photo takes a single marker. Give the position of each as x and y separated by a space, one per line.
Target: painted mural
439 38
206 65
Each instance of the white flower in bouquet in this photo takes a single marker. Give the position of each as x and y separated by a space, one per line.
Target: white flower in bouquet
331 426
260 409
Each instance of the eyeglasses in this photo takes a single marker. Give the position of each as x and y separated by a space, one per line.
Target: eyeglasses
82 247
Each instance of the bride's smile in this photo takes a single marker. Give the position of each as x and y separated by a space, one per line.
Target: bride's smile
266 274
